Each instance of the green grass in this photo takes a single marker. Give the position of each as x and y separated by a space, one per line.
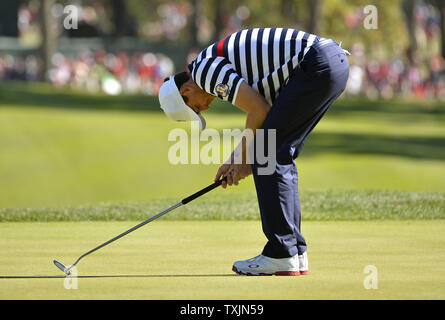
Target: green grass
63 148
228 205
371 180
193 260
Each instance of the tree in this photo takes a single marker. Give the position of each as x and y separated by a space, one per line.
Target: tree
219 13
442 28
440 5
194 24
8 18
408 9
49 37
315 16
123 24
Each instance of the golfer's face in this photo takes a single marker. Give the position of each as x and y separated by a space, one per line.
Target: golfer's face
198 104
197 99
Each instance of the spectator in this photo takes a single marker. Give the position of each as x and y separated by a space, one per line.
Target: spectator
144 72
141 72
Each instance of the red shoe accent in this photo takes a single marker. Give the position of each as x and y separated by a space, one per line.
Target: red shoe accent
287 273
304 272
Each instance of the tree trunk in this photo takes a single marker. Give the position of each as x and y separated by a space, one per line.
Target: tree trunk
9 17
48 44
219 12
194 24
288 12
124 25
408 9
441 8
315 16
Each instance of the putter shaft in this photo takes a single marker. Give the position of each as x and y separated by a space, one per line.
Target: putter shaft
183 202
127 232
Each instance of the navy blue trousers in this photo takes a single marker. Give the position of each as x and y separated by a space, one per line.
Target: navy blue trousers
314 85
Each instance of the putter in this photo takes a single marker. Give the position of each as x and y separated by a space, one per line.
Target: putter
67 270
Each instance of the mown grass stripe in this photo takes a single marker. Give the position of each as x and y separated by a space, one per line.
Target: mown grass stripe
317 205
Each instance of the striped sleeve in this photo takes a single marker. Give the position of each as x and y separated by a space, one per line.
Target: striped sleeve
217 76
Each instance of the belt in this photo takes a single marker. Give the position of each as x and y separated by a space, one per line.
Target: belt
324 42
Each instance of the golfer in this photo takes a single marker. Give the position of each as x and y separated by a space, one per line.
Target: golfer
285 80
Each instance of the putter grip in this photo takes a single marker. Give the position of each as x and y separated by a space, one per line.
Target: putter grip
203 191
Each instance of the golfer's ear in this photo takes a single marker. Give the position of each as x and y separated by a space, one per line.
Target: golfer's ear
184 89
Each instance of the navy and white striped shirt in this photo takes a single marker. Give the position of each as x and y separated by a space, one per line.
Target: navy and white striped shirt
263 57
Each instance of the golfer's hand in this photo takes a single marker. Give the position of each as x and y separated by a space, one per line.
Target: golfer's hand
239 172
224 171
233 172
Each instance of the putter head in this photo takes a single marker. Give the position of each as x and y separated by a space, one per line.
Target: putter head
65 270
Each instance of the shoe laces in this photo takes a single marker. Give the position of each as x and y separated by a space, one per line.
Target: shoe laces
255 258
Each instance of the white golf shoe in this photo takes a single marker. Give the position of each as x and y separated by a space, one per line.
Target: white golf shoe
303 263
265 266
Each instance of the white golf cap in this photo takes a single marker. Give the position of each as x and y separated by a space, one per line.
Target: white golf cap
175 107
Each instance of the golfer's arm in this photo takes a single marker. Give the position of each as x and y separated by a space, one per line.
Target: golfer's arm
257 109
253 104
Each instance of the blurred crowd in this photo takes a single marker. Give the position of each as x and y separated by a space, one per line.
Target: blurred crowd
144 73
94 71
419 74
408 75
421 78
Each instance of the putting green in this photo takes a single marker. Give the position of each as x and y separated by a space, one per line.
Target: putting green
193 259
65 148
